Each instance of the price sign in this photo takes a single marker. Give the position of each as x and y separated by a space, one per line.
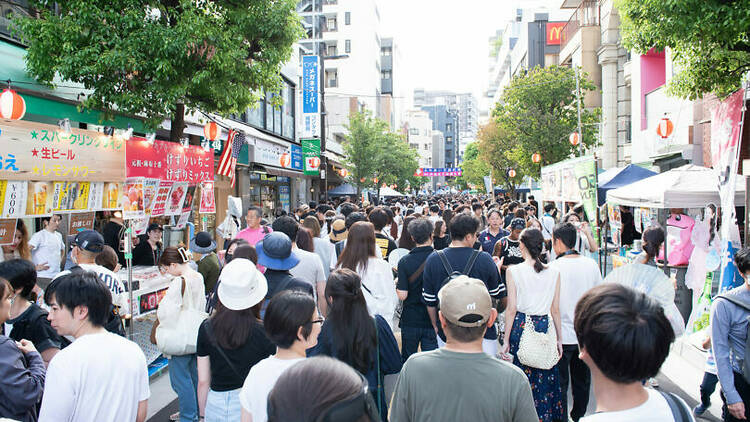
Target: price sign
14 201
7 231
150 301
81 221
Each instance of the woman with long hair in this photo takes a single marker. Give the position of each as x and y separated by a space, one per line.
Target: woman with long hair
361 256
183 369
322 245
447 217
351 335
534 295
20 246
653 239
232 341
441 237
405 241
305 240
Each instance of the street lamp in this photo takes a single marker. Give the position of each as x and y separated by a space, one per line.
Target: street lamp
324 158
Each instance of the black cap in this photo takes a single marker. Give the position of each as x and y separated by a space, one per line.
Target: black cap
89 240
517 223
154 226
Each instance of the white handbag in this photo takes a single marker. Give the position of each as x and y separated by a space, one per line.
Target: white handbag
179 336
538 350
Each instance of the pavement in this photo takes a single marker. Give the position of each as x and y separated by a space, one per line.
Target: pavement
681 374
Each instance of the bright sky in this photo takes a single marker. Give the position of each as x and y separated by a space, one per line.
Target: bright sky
444 43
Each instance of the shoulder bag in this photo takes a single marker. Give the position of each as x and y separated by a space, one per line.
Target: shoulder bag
180 337
538 350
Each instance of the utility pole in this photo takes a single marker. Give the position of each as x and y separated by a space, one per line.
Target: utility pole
578 98
323 157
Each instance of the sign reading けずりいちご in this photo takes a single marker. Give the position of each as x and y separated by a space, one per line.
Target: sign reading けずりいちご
36 151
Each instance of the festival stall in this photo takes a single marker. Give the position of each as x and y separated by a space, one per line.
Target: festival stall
388 192
619 177
657 200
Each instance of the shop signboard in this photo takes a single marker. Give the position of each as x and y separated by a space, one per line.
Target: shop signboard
208 203
81 221
310 97
35 151
437 172
311 154
7 231
13 198
296 152
284 197
268 153
169 161
573 180
160 201
176 198
554 32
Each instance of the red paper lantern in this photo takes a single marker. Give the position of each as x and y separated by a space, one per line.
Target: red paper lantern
512 173
344 172
536 157
285 160
212 131
12 105
375 179
574 138
664 128
362 180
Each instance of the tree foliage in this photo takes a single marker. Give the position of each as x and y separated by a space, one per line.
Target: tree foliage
373 152
473 168
537 113
496 148
154 58
709 40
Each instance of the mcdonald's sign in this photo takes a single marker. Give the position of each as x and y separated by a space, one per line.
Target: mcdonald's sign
554 32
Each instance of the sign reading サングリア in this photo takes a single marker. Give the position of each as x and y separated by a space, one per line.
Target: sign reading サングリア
311 156
35 151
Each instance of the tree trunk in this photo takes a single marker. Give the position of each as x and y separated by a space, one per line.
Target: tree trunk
178 123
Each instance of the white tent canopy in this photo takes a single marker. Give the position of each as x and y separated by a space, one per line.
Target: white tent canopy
688 186
386 191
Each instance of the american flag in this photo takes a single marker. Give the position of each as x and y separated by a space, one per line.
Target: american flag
228 159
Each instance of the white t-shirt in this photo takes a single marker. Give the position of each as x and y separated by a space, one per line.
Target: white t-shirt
47 249
534 291
113 282
548 225
259 383
378 288
578 274
655 409
99 377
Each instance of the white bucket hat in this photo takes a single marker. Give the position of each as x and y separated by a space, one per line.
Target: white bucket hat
241 285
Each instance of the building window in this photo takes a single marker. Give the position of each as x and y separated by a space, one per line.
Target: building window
332 50
331 24
449 127
386 74
448 139
332 78
348 18
426 147
348 46
385 51
413 131
414 146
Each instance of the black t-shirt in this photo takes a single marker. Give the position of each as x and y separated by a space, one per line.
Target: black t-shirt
385 243
144 254
34 326
484 269
441 243
414 313
511 251
112 234
226 376
283 280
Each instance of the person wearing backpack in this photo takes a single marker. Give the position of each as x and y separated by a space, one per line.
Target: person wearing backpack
457 259
729 335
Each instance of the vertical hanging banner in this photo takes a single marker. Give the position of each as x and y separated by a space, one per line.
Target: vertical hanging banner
488 184
310 97
311 155
726 128
208 202
586 179
160 201
175 198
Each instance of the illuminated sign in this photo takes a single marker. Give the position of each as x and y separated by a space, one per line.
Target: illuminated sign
554 32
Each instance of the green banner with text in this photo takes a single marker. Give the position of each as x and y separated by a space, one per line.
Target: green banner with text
311 156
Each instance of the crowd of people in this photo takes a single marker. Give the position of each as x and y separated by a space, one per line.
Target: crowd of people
485 308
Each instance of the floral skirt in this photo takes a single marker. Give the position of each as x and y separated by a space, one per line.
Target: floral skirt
545 383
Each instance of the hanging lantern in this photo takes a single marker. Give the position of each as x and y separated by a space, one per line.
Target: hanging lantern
536 157
362 180
344 172
511 173
212 131
664 128
12 105
575 139
285 159
375 179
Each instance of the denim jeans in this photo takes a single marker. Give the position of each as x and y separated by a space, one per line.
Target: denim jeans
183 375
411 338
223 406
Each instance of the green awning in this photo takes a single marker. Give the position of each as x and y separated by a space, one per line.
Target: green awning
49 105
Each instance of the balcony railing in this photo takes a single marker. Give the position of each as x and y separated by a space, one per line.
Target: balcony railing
587 14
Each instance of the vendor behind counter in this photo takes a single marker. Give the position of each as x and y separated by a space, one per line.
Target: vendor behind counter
149 247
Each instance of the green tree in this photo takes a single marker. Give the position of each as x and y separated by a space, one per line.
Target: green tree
496 149
538 113
373 152
155 58
709 40
473 168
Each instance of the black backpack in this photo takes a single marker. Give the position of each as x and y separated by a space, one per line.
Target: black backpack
114 322
449 269
746 307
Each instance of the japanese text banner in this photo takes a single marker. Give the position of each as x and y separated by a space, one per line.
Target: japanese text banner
169 161
35 151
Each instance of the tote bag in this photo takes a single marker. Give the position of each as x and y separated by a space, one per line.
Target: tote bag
179 336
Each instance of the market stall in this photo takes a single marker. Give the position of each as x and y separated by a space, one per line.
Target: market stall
684 188
609 180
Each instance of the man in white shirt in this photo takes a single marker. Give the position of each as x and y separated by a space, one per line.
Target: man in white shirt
578 274
548 221
310 267
100 376
86 246
625 338
47 249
